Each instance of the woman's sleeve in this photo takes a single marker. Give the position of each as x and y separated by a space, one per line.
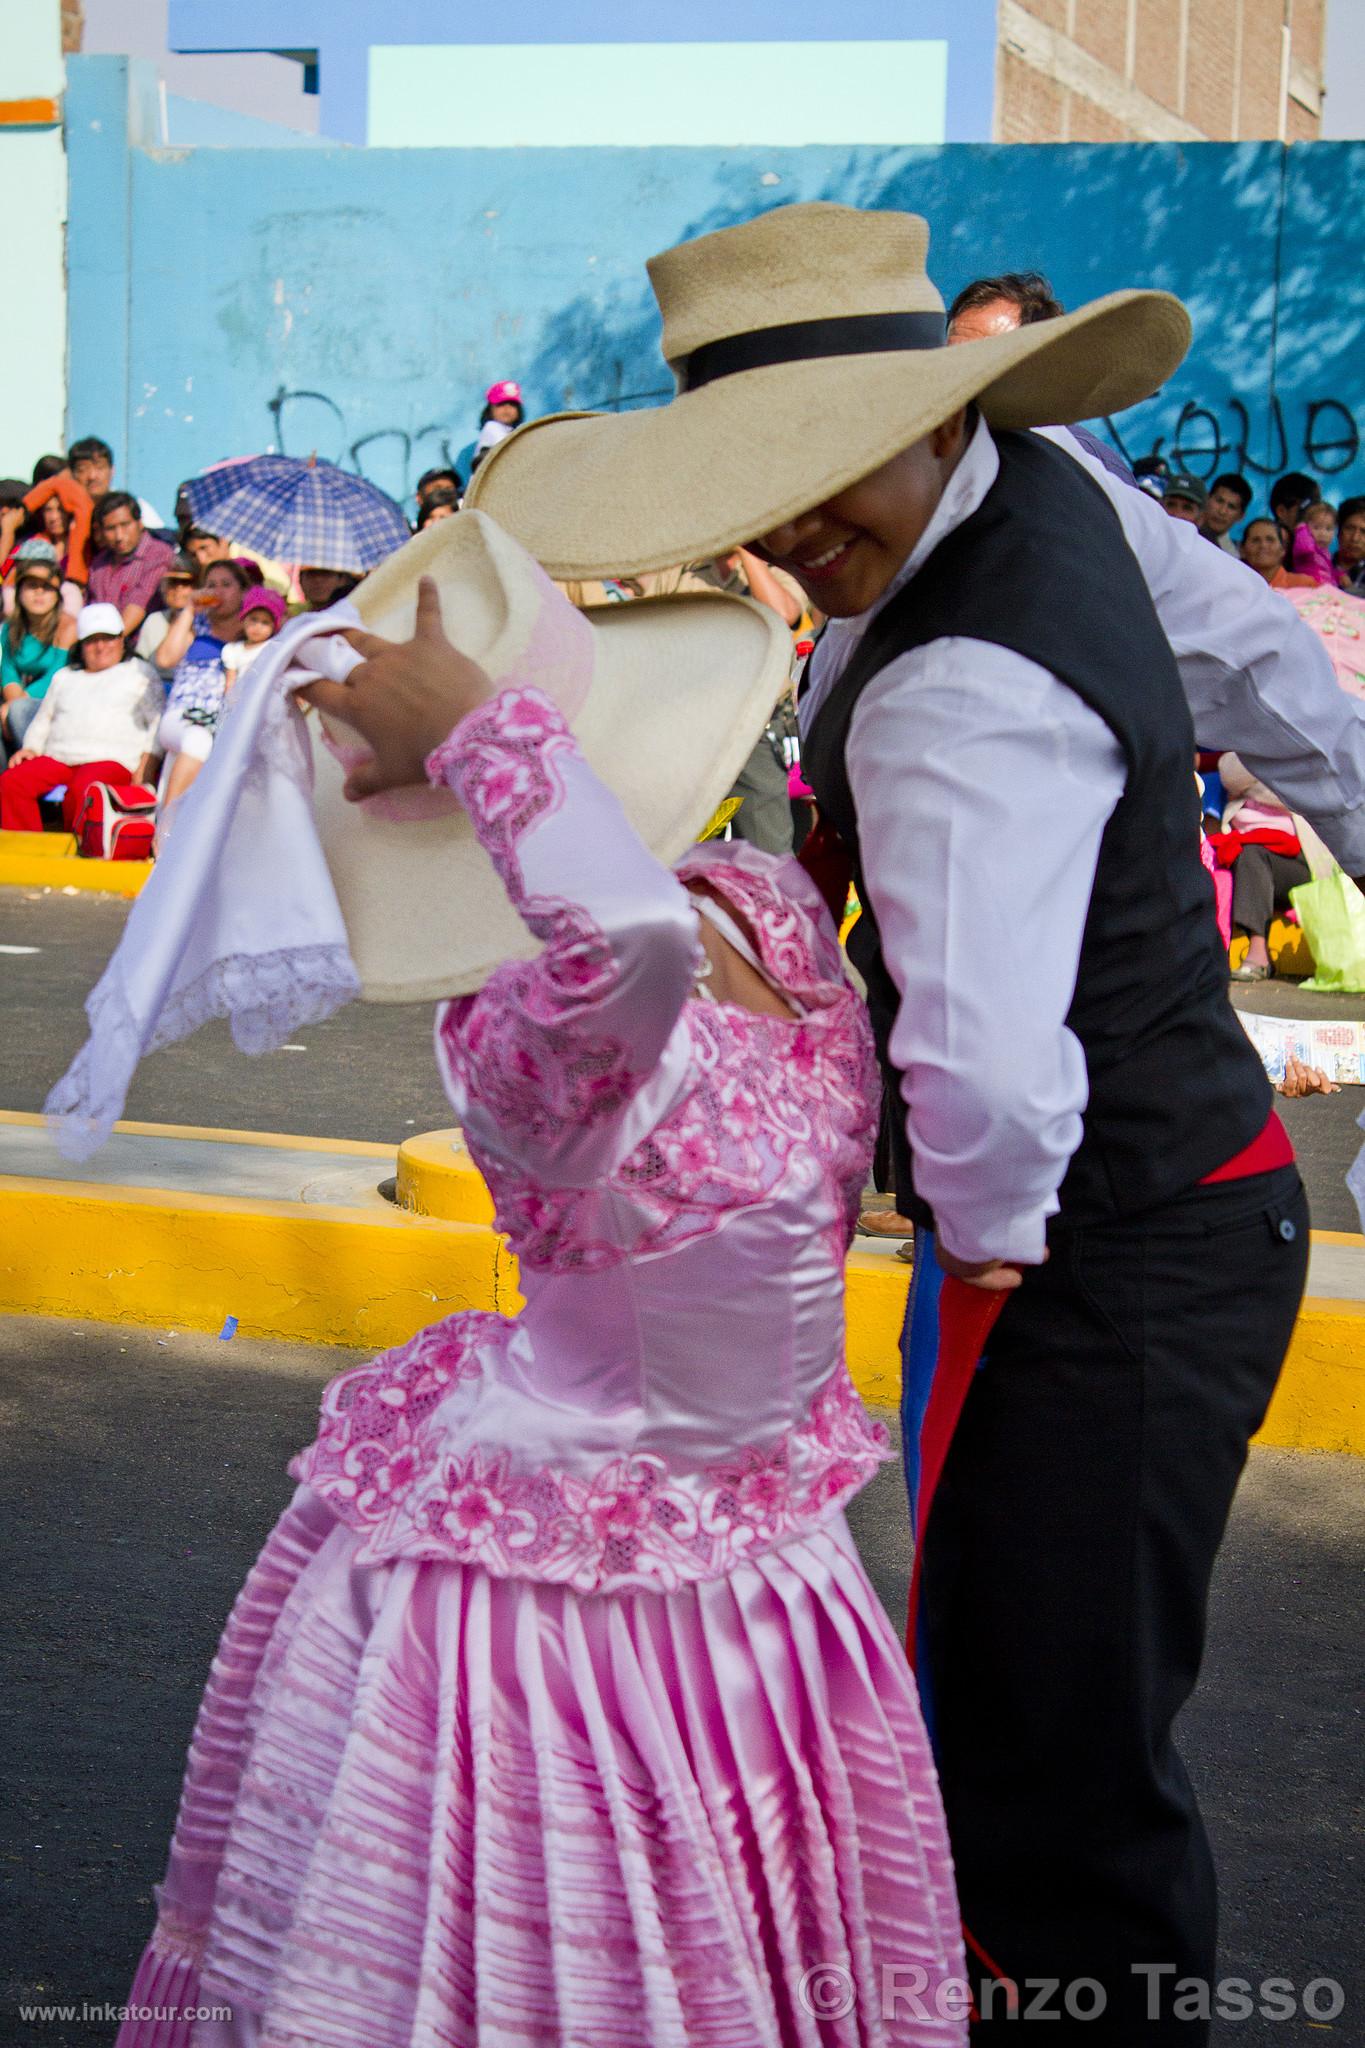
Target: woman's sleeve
543 1064
76 500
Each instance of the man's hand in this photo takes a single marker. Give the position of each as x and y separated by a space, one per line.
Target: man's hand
402 699
22 754
992 1276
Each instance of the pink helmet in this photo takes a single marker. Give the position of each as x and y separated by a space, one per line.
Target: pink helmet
506 393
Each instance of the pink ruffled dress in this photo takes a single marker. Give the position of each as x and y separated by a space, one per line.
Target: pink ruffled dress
558 1708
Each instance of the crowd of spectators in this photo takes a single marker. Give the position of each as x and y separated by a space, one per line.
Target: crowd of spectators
169 618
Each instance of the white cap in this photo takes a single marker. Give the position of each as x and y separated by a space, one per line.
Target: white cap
99 618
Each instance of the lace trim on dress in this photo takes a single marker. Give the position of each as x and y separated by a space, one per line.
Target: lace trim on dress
381 1461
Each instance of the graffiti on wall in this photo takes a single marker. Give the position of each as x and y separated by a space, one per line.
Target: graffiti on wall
313 423
1204 439
1207 439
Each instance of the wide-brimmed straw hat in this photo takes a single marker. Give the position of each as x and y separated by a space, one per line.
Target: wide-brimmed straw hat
667 699
808 347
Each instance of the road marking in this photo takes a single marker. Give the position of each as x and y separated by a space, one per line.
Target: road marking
20 949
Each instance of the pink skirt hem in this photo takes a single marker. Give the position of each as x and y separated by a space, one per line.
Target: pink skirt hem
425 1807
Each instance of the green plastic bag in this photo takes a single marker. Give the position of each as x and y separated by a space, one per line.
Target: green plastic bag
1332 913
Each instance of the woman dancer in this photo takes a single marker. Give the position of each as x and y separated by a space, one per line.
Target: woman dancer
558 1708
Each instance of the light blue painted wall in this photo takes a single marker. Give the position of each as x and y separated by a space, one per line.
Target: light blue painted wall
357 302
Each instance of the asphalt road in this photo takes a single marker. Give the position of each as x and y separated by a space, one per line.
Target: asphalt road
368 1072
145 1469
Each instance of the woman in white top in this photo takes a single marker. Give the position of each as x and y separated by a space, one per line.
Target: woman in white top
97 723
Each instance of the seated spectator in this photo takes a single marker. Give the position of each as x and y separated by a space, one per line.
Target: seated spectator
1350 555
1290 497
177 592
35 643
91 462
192 655
1313 538
263 613
435 482
322 587
13 519
441 502
37 548
1228 499
502 413
63 510
128 567
1184 497
997 305
204 547
97 723
1263 550
1260 841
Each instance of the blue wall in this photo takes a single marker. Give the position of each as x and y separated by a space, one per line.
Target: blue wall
356 302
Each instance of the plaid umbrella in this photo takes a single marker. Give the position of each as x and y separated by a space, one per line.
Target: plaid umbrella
308 512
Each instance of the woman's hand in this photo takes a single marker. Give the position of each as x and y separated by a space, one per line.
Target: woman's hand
17 759
403 699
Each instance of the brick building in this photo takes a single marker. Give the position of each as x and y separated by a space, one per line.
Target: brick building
1159 70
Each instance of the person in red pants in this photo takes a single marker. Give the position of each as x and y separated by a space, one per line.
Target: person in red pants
97 724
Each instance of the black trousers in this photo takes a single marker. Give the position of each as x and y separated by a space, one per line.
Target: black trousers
1261 882
1066 1575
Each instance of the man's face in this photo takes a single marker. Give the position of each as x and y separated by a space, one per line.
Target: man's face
1263 547
207 548
122 530
845 551
1184 508
101 650
979 323
96 472
1351 547
1223 510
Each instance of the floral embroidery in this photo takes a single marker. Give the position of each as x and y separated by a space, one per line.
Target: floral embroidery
634 1521
502 761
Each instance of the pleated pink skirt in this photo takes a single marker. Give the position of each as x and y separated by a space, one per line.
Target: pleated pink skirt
427 1808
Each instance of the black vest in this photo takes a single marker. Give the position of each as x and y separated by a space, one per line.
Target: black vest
1042 567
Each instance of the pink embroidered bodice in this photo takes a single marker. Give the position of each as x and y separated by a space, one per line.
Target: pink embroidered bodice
679 1179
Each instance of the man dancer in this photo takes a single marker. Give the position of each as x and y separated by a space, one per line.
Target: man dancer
996 725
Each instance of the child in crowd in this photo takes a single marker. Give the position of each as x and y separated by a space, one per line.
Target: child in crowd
36 642
263 613
192 655
96 723
1313 541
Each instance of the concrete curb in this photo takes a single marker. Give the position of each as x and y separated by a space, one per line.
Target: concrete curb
325 1273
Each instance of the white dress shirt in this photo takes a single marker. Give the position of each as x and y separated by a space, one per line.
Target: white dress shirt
983 787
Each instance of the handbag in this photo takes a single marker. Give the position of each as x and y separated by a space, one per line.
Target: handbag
1331 911
116 823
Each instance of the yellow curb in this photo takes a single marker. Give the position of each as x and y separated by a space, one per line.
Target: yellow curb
437 1177
317 1273
48 860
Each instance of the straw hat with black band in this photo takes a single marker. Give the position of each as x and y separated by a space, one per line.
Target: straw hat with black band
808 347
